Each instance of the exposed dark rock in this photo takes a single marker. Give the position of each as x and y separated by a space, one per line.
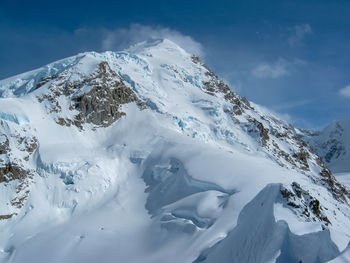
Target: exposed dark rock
12 171
303 204
315 207
263 132
287 157
12 168
246 102
337 189
19 200
64 122
100 105
302 157
224 88
320 161
44 81
4 217
31 144
209 87
293 205
286 193
195 59
297 189
4 146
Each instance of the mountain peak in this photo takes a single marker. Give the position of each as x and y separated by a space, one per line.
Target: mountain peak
162 50
150 138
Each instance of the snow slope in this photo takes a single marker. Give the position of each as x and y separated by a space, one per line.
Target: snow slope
144 155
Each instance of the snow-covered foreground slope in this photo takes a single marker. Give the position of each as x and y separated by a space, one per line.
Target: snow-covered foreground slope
145 155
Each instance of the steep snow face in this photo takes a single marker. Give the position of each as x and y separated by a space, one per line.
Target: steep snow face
333 145
145 155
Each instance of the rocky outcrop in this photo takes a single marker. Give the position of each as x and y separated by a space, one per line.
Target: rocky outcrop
303 204
302 158
339 191
4 217
259 128
99 105
4 144
12 171
16 150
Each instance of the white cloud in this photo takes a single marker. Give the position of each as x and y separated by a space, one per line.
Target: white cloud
121 38
274 70
299 33
291 105
345 92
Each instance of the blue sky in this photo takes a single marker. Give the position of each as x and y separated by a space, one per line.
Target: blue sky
290 56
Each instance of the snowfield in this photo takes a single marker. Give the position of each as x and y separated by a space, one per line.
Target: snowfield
181 169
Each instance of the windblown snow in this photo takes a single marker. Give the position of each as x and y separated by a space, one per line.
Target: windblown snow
145 155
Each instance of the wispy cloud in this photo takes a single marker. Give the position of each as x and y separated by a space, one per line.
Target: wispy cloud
123 37
271 70
298 34
291 105
283 116
345 92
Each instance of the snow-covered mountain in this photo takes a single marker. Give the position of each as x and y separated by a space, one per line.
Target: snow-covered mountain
333 145
145 155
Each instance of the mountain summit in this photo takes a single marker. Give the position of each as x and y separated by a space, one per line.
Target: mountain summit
145 155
